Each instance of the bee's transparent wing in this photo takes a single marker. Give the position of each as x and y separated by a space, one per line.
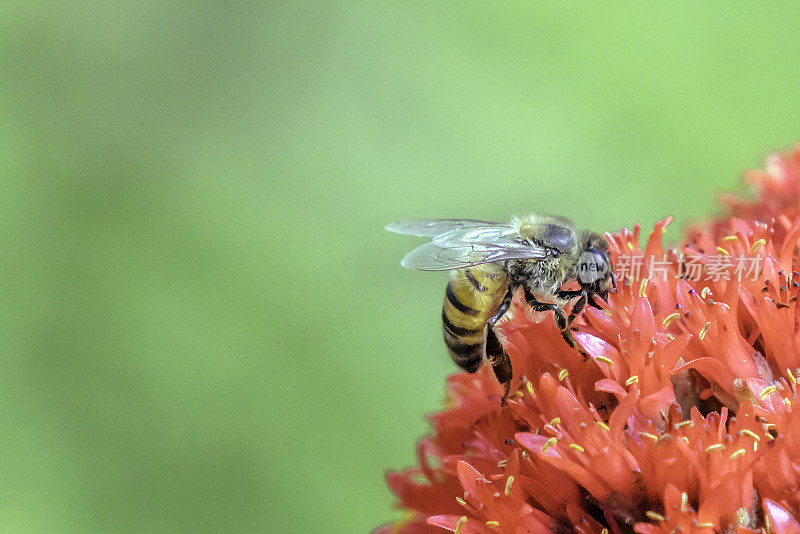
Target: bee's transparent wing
460 243
441 255
436 227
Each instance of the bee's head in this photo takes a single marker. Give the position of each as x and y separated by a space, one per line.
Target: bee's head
595 272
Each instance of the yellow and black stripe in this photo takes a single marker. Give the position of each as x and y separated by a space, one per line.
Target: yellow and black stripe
470 300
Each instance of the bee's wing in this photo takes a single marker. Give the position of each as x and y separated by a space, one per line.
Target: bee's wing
436 227
446 255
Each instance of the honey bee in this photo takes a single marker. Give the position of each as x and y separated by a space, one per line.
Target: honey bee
489 261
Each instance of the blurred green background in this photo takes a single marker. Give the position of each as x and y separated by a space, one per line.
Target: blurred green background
204 325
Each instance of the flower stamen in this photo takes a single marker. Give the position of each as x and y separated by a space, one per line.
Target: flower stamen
760 243
748 432
737 453
655 516
704 330
509 482
767 391
669 318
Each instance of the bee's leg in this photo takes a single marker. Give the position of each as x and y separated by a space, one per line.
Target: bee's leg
593 303
576 309
501 363
561 320
571 294
502 308
578 306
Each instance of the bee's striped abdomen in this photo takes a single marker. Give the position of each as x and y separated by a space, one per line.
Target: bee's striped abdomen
470 299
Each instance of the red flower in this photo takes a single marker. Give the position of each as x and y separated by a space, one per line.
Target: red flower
685 416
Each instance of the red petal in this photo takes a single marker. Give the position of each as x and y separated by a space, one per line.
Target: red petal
610 386
450 522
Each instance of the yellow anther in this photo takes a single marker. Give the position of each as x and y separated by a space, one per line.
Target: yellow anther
705 525
648 436
461 521
787 402
655 516
739 452
508 485
529 387
502 463
555 421
757 244
769 437
715 447
603 359
684 502
705 292
602 425
682 424
461 501
643 287
704 330
630 245
604 531
492 523
767 391
669 318
723 251
792 378
517 394
685 440
671 337
549 443
632 380
748 432
562 374
729 238
576 447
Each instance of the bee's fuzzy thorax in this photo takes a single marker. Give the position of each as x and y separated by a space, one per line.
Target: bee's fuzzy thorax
530 225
